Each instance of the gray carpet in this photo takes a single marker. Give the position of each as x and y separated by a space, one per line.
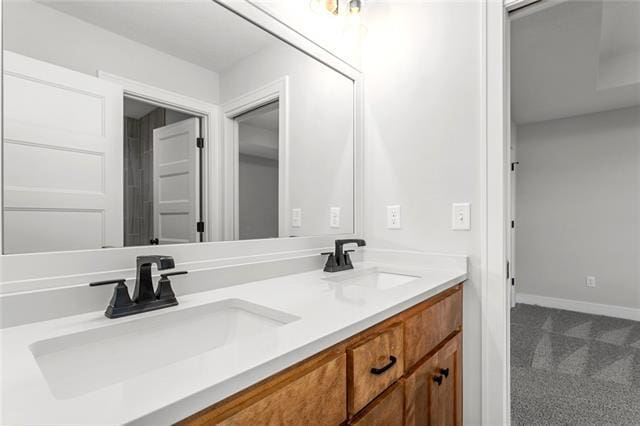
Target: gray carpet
569 368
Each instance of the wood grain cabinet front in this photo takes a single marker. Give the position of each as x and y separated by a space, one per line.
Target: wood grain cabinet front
315 398
373 366
427 328
386 410
406 370
433 392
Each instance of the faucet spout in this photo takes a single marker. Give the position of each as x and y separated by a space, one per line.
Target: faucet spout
339 253
143 291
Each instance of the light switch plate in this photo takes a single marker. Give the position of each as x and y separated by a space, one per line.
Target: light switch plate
296 218
393 217
334 217
461 216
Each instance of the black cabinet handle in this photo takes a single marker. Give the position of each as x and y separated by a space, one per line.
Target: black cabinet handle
378 371
444 372
438 379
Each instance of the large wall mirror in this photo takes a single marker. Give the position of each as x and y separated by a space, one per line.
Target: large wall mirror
130 123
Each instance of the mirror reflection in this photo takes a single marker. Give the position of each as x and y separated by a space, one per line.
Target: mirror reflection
138 123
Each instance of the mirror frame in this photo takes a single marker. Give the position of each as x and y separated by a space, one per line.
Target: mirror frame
32 271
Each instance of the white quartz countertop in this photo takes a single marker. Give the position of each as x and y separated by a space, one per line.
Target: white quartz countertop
329 311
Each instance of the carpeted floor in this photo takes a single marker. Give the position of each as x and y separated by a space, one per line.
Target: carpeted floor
569 368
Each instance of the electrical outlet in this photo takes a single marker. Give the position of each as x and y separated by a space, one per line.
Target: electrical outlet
460 216
296 218
334 217
393 217
590 281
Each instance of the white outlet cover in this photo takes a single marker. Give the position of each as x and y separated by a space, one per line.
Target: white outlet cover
393 217
461 216
590 281
296 218
334 217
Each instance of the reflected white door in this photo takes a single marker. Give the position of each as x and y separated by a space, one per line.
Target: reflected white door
62 158
176 182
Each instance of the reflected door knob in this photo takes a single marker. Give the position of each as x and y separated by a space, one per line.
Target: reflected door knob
154 241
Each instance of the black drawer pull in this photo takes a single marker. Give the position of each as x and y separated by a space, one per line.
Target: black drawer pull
444 372
438 379
392 361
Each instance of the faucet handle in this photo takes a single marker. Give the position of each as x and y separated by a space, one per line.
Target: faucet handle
164 290
106 282
331 264
170 274
347 258
120 299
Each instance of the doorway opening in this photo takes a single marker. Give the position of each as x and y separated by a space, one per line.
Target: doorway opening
162 179
573 203
258 172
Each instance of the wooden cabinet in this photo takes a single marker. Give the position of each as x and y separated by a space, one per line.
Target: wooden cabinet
425 329
373 366
310 394
386 410
406 370
433 391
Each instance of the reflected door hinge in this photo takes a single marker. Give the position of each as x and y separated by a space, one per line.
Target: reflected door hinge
508 272
200 142
200 226
513 223
513 281
513 165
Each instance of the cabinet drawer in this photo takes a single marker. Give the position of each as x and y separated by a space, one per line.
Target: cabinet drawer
373 366
426 329
316 398
386 410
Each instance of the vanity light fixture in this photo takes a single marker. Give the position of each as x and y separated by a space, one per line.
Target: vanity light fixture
335 7
355 6
331 6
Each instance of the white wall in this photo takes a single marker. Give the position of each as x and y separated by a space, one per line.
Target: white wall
578 208
258 197
423 79
320 131
341 35
40 32
257 182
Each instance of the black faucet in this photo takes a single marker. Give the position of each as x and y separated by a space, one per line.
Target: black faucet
144 298
340 260
143 291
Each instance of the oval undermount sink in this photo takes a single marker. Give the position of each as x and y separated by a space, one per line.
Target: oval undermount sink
77 363
375 277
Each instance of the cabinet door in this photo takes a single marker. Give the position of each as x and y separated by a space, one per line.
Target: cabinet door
317 397
386 410
433 392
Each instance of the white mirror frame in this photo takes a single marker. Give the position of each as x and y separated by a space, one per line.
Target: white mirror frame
25 272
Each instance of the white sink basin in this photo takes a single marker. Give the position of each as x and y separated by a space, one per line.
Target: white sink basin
78 363
377 278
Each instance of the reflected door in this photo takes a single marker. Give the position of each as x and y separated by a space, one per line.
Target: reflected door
176 182
62 158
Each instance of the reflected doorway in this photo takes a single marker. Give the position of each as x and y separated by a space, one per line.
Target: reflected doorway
161 177
258 172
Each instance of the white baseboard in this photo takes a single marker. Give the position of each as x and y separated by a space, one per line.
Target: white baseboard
578 306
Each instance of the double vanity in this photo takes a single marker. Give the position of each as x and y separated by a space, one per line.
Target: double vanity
377 344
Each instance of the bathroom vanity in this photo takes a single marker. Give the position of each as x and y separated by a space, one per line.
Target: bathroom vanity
406 370
379 343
